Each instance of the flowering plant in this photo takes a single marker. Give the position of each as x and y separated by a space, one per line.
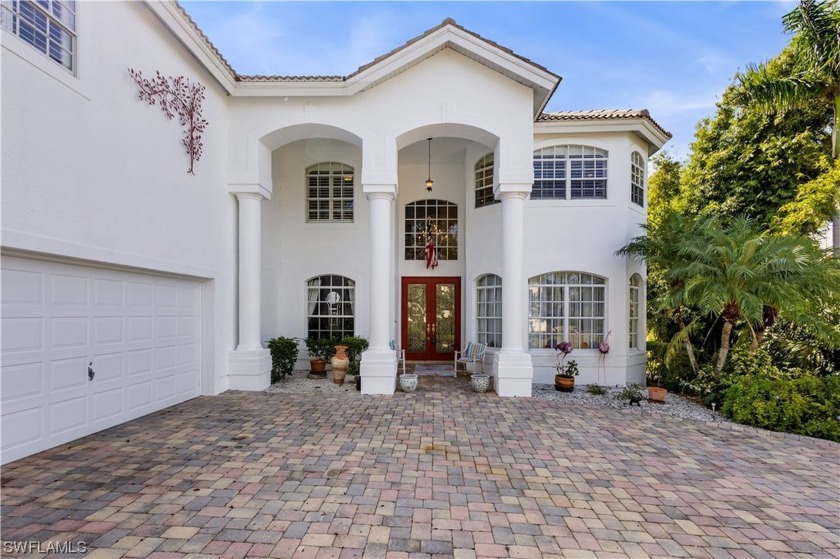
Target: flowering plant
568 369
604 346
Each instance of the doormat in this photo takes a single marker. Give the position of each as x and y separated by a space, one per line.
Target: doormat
439 370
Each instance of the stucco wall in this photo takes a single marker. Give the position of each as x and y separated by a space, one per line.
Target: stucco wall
91 172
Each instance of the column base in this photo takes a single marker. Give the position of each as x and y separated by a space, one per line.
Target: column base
249 369
379 372
514 374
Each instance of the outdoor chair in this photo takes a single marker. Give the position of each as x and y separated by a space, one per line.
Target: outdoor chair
400 354
472 353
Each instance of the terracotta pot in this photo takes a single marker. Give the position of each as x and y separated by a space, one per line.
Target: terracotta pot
656 394
564 383
317 368
340 362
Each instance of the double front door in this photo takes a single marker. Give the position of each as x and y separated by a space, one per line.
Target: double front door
431 318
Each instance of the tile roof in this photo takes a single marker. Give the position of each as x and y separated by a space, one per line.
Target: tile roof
205 38
602 114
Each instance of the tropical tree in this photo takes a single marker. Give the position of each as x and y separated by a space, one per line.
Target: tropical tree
749 277
812 71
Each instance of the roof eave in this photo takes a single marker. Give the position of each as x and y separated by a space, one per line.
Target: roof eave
642 127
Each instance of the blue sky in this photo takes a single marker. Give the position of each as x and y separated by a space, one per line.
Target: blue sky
673 58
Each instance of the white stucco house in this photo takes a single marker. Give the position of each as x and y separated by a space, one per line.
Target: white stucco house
129 285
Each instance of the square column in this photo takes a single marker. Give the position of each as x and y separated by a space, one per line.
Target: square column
512 365
250 364
379 362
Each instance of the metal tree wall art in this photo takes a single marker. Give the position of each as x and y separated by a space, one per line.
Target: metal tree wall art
177 96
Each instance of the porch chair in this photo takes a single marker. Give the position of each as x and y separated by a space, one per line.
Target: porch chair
400 354
472 353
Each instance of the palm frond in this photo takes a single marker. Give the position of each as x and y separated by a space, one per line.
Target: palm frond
760 87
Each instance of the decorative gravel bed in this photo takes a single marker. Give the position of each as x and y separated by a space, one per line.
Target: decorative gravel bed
674 406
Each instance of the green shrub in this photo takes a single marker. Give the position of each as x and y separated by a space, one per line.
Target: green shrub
320 348
596 389
742 363
355 346
284 353
806 405
633 393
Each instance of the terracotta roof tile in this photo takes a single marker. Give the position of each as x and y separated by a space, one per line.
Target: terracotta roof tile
206 39
602 114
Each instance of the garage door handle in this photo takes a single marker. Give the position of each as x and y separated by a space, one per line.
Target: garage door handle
91 372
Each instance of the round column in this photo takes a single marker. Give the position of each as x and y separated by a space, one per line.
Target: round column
513 282
380 268
249 271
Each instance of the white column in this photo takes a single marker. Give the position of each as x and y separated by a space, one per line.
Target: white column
250 363
379 364
512 366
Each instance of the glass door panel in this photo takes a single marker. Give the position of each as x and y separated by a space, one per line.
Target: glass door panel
431 318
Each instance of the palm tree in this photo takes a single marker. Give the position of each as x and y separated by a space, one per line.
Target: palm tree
659 249
749 277
809 67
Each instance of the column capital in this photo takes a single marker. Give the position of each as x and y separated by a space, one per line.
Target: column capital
250 196
379 195
512 187
250 188
513 195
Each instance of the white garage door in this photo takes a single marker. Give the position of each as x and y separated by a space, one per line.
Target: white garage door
84 349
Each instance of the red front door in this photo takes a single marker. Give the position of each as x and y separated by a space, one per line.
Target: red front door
431 318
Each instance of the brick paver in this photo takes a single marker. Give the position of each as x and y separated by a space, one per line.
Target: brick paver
441 472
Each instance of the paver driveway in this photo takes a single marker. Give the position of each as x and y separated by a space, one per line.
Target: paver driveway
439 473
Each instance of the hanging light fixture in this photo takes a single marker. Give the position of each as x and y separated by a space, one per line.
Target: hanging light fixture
429 181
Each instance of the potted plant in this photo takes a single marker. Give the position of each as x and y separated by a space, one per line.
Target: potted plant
564 380
319 350
656 392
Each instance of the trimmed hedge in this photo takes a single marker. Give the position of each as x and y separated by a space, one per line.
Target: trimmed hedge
807 405
284 353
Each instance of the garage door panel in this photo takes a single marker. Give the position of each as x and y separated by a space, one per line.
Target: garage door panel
68 290
68 332
166 327
141 332
139 395
22 334
65 374
140 328
107 367
107 404
68 415
22 427
21 287
23 381
108 293
139 362
166 298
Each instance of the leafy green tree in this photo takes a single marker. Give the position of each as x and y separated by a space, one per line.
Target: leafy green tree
663 187
809 70
749 162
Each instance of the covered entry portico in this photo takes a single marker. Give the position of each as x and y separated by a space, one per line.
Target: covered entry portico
448 85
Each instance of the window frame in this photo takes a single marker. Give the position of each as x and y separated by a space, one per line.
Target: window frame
59 47
484 174
559 172
444 229
637 179
333 204
562 288
317 300
634 299
488 308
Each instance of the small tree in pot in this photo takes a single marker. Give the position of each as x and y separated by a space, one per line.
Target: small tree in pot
319 350
564 380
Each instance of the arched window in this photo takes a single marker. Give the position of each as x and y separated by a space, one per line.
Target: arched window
484 182
570 172
566 306
637 179
635 309
435 218
329 193
488 311
331 301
